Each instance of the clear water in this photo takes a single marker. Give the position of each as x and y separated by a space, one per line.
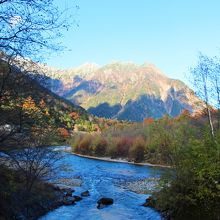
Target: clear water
101 178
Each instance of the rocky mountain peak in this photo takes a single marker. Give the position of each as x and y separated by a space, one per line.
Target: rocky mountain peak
125 90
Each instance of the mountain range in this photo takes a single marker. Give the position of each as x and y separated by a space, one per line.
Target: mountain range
123 90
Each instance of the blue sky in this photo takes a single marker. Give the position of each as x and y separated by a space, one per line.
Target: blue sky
168 33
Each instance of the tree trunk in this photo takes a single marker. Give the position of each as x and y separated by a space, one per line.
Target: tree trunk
207 103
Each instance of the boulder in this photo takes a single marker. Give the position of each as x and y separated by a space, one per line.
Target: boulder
85 194
69 192
63 189
77 198
68 200
104 202
148 202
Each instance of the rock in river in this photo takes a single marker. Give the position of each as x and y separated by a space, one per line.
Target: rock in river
148 202
77 198
104 202
85 194
69 192
68 200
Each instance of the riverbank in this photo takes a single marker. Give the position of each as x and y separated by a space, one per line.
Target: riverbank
44 196
120 160
143 186
19 203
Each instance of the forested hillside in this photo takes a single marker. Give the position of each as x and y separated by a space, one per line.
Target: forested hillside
27 108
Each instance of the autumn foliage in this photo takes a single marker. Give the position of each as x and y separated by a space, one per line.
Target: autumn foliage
148 121
153 143
63 132
74 115
29 104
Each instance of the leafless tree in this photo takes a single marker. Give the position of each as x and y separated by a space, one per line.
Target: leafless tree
29 26
214 77
30 29
35 164
202 84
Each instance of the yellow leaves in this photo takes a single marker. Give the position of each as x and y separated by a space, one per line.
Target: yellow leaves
46 112
29 104
30 107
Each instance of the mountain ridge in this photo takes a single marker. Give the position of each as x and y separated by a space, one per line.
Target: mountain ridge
117 89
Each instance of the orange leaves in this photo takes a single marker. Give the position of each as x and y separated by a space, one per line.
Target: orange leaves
74 115
148 121
46 112
63 132
29 104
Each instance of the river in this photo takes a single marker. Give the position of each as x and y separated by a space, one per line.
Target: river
101 178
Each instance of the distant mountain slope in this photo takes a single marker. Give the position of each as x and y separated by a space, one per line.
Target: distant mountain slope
124 90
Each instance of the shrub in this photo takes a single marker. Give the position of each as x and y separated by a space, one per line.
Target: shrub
100 146
137 150
85 144
112 148
123 145
192 191
74 142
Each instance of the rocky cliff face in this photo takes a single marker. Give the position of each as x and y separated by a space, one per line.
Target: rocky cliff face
124 91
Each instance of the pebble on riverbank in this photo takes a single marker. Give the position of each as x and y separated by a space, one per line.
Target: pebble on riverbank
144 186
68 182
